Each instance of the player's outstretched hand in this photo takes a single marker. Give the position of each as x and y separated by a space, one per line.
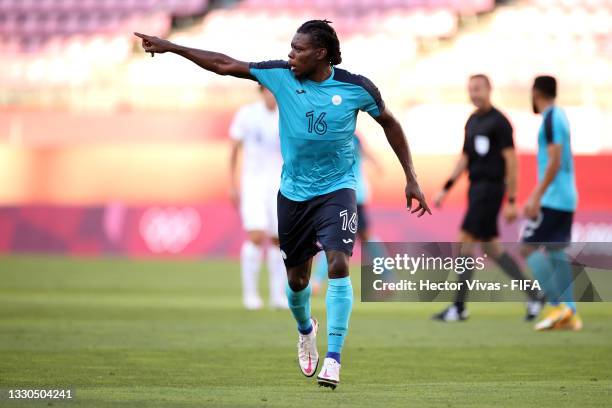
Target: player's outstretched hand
532 208
154 44
413 191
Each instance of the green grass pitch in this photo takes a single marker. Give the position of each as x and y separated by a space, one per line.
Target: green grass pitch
173 333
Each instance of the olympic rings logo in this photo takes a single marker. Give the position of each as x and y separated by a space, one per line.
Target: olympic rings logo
169 229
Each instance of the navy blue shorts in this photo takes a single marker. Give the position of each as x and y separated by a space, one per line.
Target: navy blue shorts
551 226
327 222
362 218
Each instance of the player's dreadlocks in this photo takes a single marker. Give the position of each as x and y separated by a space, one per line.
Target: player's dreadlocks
323 35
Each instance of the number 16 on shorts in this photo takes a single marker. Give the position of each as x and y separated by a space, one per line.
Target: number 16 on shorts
349 223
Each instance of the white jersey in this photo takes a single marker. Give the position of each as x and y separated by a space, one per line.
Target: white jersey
257 128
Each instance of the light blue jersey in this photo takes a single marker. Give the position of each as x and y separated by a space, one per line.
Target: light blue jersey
561 194
317 124
361 192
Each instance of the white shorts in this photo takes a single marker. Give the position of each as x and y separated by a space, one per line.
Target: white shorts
258 207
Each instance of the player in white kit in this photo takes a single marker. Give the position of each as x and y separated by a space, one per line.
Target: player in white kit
254 131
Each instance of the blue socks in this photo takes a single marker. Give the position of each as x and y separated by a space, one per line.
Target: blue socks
554 274
542 270
299 303
563 277
339 302
335 356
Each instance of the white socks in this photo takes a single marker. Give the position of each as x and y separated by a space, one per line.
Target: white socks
278 277
251 256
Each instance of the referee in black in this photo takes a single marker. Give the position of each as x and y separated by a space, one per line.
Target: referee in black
489 157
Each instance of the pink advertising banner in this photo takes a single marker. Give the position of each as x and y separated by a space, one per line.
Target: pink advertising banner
212 229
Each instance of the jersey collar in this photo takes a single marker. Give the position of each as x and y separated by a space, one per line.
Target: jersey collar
550 108
328 79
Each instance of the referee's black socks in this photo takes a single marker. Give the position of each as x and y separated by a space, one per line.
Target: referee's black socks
511 268
463 289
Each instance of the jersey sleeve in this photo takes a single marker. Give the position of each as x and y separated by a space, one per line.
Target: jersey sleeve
270 73
504 131
371 100
239 126
555 128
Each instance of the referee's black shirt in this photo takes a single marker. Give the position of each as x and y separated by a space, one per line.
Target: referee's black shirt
486 135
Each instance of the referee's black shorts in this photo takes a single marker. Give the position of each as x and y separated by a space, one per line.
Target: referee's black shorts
484 202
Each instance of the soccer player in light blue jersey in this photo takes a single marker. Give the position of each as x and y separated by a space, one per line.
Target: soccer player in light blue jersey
318 106
550 210
364 233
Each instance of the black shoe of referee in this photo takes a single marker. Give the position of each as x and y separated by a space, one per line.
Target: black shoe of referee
452 314
534 307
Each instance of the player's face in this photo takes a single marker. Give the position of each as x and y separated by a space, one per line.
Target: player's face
535 95
480 93
304 57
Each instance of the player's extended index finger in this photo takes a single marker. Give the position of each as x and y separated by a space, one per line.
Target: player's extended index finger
143 36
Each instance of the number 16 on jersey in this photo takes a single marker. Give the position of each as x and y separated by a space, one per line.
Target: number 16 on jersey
319 125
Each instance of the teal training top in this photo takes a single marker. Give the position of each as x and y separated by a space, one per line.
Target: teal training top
317 124
561 194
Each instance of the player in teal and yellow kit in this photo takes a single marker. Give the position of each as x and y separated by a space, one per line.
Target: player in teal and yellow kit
318 106
550 210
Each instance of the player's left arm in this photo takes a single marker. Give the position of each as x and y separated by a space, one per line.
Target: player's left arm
532 209
505 133
396 138
511 163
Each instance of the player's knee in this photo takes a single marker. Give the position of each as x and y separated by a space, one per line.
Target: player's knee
492 249
297 277
297 282
337 265
256 237
466 237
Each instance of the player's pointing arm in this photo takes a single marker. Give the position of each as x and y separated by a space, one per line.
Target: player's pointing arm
211 61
